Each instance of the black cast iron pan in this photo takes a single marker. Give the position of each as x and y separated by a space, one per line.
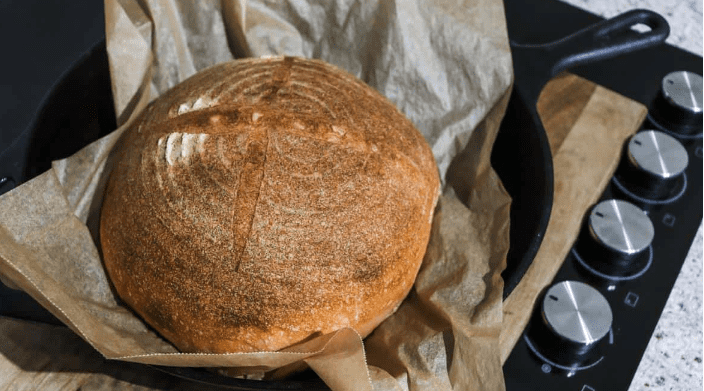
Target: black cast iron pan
521 154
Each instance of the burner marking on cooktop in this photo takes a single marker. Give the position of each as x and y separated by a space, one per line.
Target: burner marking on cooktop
668 220
631 299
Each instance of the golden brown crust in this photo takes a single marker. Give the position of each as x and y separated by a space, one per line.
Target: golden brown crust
266 200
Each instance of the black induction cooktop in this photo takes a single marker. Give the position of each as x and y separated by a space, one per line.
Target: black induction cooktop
591 325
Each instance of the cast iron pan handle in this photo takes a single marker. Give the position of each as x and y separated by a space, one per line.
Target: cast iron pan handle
606 39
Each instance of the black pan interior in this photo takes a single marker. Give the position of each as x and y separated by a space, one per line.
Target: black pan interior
521 158
82 99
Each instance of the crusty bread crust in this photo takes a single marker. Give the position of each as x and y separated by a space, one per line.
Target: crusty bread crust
264 201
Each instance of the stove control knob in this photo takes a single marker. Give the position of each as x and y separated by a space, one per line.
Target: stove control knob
615 240
652 165
678 106
570 325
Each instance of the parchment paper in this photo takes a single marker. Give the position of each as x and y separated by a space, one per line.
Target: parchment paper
445 64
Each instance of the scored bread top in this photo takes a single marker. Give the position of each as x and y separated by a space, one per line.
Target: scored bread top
264 201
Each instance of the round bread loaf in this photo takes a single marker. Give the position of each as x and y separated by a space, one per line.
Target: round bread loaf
265 201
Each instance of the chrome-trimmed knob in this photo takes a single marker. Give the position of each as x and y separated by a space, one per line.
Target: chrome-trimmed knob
570 325
678 106
653 167
615 240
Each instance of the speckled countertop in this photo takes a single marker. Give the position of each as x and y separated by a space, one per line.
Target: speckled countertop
673 359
